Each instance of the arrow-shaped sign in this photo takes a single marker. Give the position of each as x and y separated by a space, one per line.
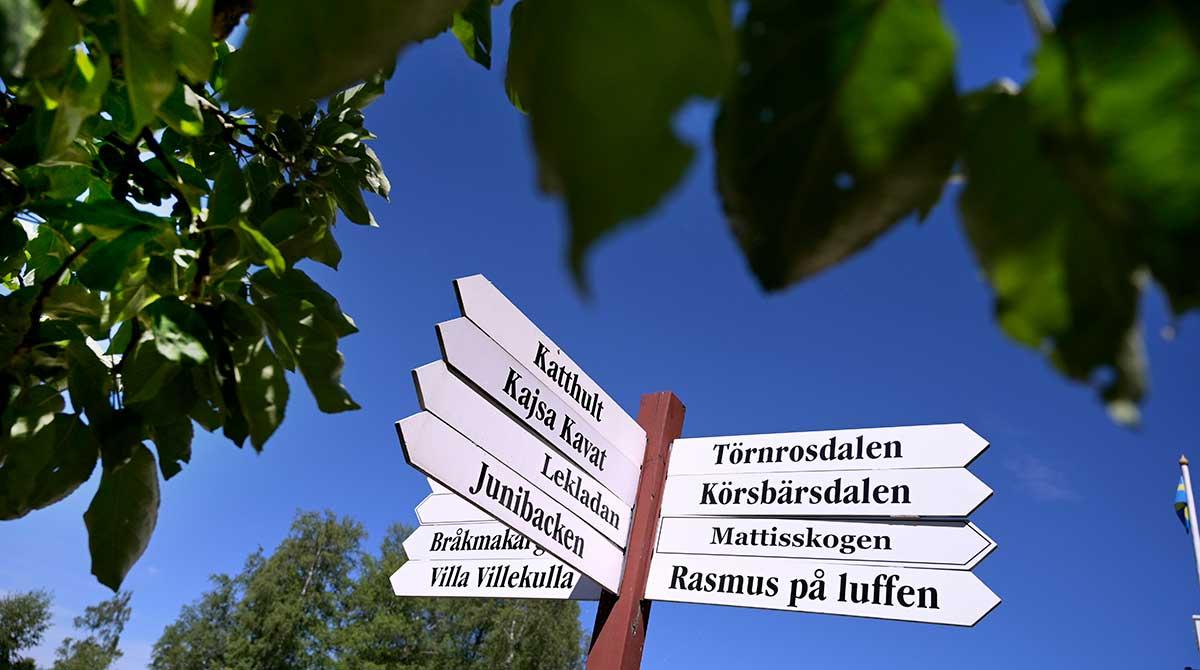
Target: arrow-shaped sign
949 445
949 492
524 578
487 307
486 540
438 508
444 454
949 544
451 400
473 354
953 597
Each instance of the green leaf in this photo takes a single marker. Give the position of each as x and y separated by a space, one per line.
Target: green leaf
79 99
860 133
262 390
1116 90
301 50
107 261
146 373
146 53
32 410
297 286
305 324
116 216
602 82
268 254
230 198
72 301
89 381
344 184
1063 274
20 24
173 440
473 28
47 466
179 332
181 111
14 318
122 516
191 38
60 182
53 52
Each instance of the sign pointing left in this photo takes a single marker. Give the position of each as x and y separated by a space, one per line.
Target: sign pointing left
522 578
444 454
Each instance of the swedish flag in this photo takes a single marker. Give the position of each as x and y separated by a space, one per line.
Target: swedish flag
1181 506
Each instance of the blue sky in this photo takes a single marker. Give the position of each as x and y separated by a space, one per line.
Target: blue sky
1093 566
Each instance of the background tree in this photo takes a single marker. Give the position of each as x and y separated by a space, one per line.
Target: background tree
24 619
158 190
102 625
319 601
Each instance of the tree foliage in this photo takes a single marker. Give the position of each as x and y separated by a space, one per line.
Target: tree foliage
319 601
102 625
150 233
161 191
24 619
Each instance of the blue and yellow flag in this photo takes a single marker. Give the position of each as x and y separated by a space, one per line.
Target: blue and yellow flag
1181 506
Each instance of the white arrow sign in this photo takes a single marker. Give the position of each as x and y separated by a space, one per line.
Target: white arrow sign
483 304
490 540
527 578
452 401
472 353
436 487
444 454
938 446
438 508
953 597
950 544
952 492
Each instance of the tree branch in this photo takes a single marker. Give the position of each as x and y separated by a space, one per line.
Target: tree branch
39 303
1043 25
181 203
231 127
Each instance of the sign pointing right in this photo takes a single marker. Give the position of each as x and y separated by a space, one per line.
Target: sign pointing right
951 445
943 492
954 597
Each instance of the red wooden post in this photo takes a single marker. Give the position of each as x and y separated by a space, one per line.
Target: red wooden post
620 631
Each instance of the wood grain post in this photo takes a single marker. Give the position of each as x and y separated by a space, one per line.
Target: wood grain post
619 634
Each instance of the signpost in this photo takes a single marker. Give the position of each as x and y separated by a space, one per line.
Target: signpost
938 492
907 594
444 454
471 540
512 330
948 544
472 353
439 508
951 445
520 578
545 488
455 403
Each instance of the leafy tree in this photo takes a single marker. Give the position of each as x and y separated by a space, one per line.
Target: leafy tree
103 624
24 618
450 633
319 601
200 638
150 232
160 191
